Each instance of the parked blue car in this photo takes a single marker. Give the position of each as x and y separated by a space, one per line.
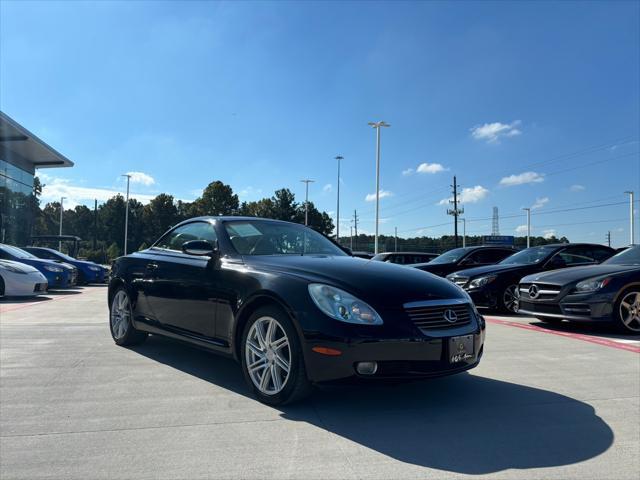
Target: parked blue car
59 275
88 272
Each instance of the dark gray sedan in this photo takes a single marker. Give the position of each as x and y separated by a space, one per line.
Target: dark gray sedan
609 292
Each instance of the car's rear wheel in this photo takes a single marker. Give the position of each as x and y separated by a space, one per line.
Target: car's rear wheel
627 311
272 360
120 320
510 301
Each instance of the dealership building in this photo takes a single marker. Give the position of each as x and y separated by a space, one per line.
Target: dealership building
21 154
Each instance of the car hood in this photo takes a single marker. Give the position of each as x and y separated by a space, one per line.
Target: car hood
370 280
23 267
491 269
576 274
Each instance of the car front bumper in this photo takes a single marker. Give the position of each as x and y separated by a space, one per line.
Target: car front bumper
396 358
579 308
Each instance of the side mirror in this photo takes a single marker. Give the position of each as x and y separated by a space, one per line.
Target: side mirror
200 248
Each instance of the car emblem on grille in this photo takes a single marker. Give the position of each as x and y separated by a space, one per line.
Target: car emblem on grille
450 316
533 291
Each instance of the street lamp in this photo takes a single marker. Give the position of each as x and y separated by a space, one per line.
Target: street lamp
338 158
306 200
464 232
62 199
528 210
631 218
126 214
377 126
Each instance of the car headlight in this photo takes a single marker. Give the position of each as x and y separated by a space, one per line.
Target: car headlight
482 281
342 306
11 268
94 268
592 284
53 268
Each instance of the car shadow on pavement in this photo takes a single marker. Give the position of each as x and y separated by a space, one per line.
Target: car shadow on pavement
603 330
72 291
16 300
465 424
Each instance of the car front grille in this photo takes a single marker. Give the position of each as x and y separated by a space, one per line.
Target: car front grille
40 287
434 317
541 308
544 291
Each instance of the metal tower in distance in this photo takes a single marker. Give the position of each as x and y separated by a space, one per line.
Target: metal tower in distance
495 226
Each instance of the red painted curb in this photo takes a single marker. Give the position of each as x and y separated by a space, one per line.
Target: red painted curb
579 336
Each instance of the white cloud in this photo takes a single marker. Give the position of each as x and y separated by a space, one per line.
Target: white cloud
547 234
468 195
407 172
577 188
142 178
430 168
371 197
540 202
521 229
59 187
521 179
247 193
492 132
327 188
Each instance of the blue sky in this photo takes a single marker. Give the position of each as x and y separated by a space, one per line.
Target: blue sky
529 104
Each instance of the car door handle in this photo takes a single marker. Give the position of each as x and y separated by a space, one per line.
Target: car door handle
152 266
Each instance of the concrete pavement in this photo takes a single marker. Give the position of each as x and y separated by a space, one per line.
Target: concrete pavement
74 405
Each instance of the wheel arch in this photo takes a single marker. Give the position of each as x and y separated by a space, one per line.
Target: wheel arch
624 289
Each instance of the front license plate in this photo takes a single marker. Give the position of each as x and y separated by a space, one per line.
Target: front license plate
460 348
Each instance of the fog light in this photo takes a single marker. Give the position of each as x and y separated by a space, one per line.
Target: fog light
367 368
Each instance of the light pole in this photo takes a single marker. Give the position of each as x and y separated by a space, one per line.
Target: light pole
306 200
528 210
464 232
631 218
377 126
62 199
126 214
338 158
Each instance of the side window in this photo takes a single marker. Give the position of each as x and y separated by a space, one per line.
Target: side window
396 259
501 254
600 254
576 256
4 255
191 231
480 257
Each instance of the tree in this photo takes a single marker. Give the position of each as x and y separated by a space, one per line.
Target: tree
317 220
284 205
262 208
113 251
158 215
217 199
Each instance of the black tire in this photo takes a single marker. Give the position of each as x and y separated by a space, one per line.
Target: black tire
503 305
1 287
297 385
634 327
128 335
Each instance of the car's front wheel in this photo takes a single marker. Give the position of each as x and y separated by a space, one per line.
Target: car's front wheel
510 299
272 360
627 311
120 320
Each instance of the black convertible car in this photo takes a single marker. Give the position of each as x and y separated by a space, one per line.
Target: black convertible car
496 286
292 307
609 292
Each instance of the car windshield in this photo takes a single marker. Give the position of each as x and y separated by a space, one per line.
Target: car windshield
17 252
451 256
529 256
631 256
271 238
62 255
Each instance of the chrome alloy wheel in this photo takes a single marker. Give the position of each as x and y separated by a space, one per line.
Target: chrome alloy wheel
511 298
630 311
268 355
120 315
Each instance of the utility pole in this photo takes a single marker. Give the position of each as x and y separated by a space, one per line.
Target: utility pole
62 199
351 242
377 126
338 158
126 214
631 218
306 200
355 225
528 210
396 228
455 211
95 222
609 238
